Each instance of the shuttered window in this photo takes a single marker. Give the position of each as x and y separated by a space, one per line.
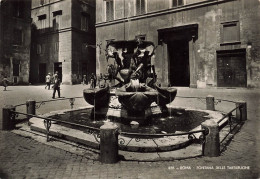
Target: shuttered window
230 32
176 3
85 21
109 10
42 23
140 7
18 10
56 19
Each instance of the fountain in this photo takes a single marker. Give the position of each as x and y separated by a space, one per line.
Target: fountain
136 81
135 103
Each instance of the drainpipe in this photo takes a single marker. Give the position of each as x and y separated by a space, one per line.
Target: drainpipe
124 19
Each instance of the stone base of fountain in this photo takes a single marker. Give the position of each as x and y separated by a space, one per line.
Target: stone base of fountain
90 139
116 111
123 114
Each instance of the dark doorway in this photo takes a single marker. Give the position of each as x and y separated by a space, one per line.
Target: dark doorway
179 71
58 68
231 68
179 56
16 69
84 69
42 72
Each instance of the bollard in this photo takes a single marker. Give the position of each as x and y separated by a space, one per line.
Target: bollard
211 146
241 113
7 122
109 143
210 103
30 107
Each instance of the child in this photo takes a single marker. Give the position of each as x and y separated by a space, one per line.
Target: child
5 82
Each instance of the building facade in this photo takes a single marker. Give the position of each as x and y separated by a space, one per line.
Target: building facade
63 39
15 39
200 43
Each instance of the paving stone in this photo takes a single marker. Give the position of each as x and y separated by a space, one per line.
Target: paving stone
24 157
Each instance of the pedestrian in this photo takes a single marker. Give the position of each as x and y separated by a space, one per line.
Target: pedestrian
5 82
93 80
56 73
56 86
48 81
101 81
106 78
84 82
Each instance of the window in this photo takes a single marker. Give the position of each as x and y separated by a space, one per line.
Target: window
230 32
40 48
41 2
176 3
56 47
109 10
18 37
43 48
56 19
85 21
18 10
140 7
42 21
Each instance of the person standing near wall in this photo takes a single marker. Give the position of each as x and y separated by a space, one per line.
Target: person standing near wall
93 80
84 82
48 81
101 81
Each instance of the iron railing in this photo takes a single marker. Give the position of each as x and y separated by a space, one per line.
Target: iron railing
47 123
137 136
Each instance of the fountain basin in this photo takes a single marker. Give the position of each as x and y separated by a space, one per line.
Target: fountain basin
126 142
98 97
165 95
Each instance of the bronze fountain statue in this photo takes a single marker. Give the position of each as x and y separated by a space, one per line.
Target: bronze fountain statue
137 88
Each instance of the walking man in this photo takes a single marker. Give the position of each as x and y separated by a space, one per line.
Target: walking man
48 81
56 86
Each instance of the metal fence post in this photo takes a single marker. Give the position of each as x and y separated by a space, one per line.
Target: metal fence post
7 122
241 112
30 106
109 143
211 146
210 103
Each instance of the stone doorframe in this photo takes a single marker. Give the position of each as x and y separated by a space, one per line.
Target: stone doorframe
189 32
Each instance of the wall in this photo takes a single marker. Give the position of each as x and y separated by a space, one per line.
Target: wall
11 52
50 37
84 42
69 36
209 15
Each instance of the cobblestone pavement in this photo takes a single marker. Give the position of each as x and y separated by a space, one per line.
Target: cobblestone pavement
24 157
